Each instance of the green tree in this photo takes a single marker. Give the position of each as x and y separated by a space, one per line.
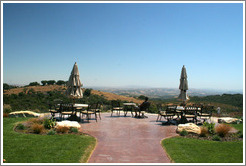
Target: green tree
34 84
44 82
51 82
60 82
142 97
6 86
87 92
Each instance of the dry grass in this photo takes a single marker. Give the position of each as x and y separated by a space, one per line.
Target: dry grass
37 128
204 132
62 129
107 95
222 129
36 120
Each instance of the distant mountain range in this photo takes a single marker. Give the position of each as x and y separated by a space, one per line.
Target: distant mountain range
162 92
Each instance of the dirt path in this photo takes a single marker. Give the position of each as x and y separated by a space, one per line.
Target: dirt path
128 140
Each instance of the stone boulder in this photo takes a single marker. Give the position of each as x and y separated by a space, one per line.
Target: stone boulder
229 120
68 123
189 127
24 114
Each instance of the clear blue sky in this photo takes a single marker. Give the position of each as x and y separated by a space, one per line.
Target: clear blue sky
125 44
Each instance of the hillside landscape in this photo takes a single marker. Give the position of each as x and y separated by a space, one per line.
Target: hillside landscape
38 97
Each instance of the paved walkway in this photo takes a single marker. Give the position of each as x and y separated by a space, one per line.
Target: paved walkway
128 140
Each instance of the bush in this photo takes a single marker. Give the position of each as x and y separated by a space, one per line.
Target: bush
7 108
74 130
222 129
240 135
216 138
209 126
5 115
51 132
20 126
49 123
183 133
37 128
204 132
62 129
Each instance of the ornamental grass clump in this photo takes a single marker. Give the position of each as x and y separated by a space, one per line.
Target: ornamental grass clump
222 129
62 129
36 120
204 132
37 128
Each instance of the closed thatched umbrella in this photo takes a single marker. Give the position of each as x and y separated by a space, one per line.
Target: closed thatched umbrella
183 86
74 84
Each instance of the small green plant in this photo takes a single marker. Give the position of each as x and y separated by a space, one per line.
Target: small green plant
20 126
51 132
209 126
49 123
74 130
216 138
183 133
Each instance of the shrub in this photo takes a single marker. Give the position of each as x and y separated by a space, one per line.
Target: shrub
240 135
5 115
74 130
62 129
204 132
20 126
183 133
209 126
216 138
222 129
7 108
37 128
51 132
49 123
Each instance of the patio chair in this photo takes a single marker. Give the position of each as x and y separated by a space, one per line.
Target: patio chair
66 109
190 112
91 110
99 109
206 112
129 108
169 114
54 107
116 107
161 112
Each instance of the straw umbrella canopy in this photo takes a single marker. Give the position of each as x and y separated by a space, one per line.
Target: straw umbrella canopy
183 86
74 84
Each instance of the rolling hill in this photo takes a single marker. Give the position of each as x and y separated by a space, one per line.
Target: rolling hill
45 89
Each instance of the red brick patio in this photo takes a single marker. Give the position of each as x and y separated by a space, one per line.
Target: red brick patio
128 140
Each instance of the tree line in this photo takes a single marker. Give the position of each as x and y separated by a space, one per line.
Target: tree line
43 83
48 82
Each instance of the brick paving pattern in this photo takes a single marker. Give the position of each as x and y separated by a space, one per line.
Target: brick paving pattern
128 140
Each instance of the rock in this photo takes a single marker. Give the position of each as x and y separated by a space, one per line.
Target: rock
189 127
68 123
24 114
229 120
